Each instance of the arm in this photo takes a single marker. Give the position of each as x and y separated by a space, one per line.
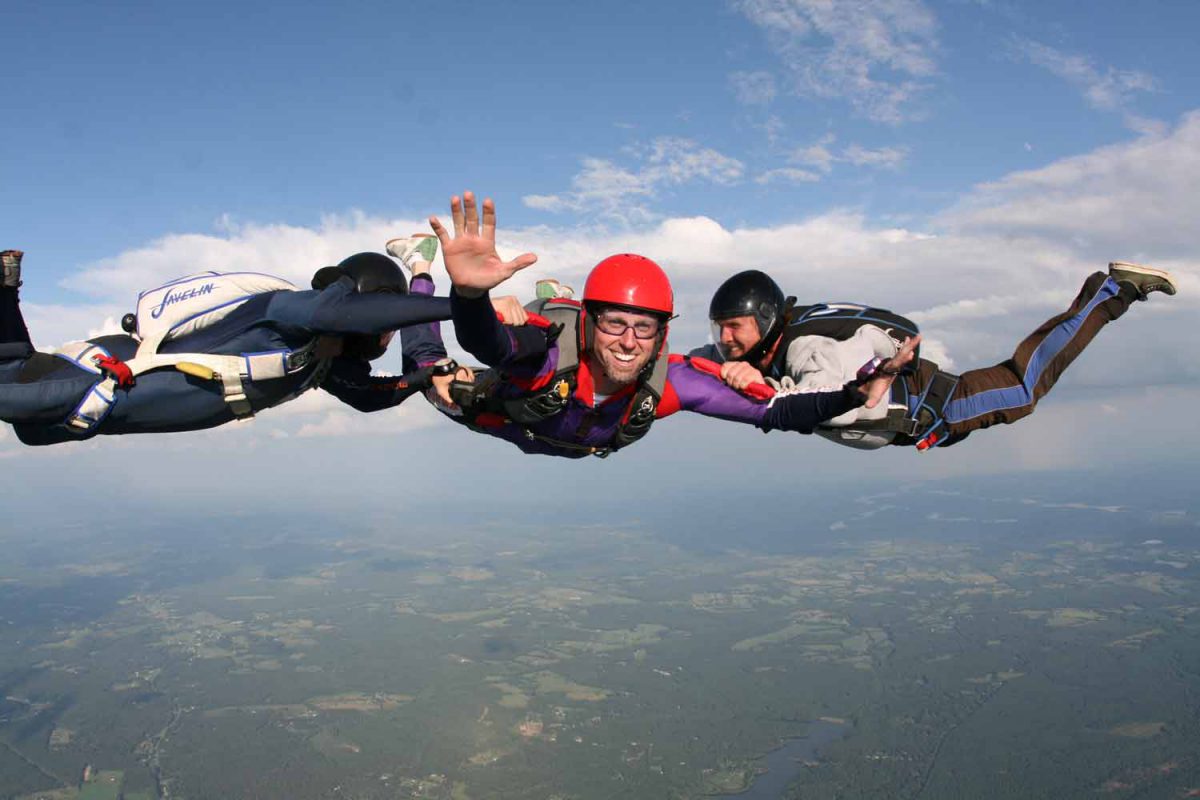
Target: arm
350 380
491 341
802 412
338 309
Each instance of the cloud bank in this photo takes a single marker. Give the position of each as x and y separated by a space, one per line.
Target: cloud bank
977 277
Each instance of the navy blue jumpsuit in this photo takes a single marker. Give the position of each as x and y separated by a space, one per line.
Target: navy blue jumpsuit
39 391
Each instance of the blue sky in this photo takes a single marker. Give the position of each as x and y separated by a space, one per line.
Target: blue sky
148 118
965 162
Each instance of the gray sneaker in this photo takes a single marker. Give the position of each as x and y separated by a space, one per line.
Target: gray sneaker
11 261
411 249
1144 279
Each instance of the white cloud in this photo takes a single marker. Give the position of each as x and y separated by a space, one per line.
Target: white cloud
773 128
342 422
1126 201
822 156
611 191
51 326
817 154
787 175
753 88
542 202
885 157
674 160
289 251
606 190
876 55
1105 89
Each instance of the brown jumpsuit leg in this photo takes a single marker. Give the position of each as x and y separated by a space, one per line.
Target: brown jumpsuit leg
1009 391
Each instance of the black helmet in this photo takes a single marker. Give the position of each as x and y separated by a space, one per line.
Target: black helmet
751 294
371 272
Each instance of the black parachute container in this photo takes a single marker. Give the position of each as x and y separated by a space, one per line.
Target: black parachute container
841 320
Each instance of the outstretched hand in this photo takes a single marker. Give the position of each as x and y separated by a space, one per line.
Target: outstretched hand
471 259
878 387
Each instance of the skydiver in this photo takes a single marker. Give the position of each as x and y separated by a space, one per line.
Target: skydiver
289 341
759 334
593 376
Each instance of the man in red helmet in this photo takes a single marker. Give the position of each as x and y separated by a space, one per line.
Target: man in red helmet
591 377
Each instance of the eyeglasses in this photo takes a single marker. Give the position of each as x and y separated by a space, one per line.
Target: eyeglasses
617 324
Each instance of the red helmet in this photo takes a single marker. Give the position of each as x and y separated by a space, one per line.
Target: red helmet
631 281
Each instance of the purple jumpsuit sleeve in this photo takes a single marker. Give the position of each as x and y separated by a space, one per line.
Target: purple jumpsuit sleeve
800 412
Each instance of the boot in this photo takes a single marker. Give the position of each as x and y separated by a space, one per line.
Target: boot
11 261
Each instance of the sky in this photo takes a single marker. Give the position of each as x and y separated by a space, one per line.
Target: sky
966 163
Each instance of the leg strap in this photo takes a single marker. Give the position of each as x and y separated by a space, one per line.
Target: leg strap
929 408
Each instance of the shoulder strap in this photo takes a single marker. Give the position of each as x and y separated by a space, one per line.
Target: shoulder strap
564 317
555 391
643 407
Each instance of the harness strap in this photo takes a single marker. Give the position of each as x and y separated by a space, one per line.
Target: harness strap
93 407
116 369
929 409
230 370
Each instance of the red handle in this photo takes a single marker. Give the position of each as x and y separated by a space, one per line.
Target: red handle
759 391
536 320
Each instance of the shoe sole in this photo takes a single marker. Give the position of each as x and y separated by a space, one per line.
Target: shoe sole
388 245
1138 269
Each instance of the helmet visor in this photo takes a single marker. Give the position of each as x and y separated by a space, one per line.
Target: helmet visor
737 337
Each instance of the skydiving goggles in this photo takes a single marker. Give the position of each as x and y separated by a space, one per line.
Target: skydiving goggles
615 322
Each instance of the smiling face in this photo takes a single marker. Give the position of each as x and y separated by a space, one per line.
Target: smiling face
622 356
736 335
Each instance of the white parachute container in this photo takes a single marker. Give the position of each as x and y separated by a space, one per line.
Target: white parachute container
192 303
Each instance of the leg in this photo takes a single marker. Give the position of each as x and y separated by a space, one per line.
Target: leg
421 345
1009 391
37 391
14 336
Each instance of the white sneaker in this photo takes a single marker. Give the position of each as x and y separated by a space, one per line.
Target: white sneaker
10 274
550 288
411 249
